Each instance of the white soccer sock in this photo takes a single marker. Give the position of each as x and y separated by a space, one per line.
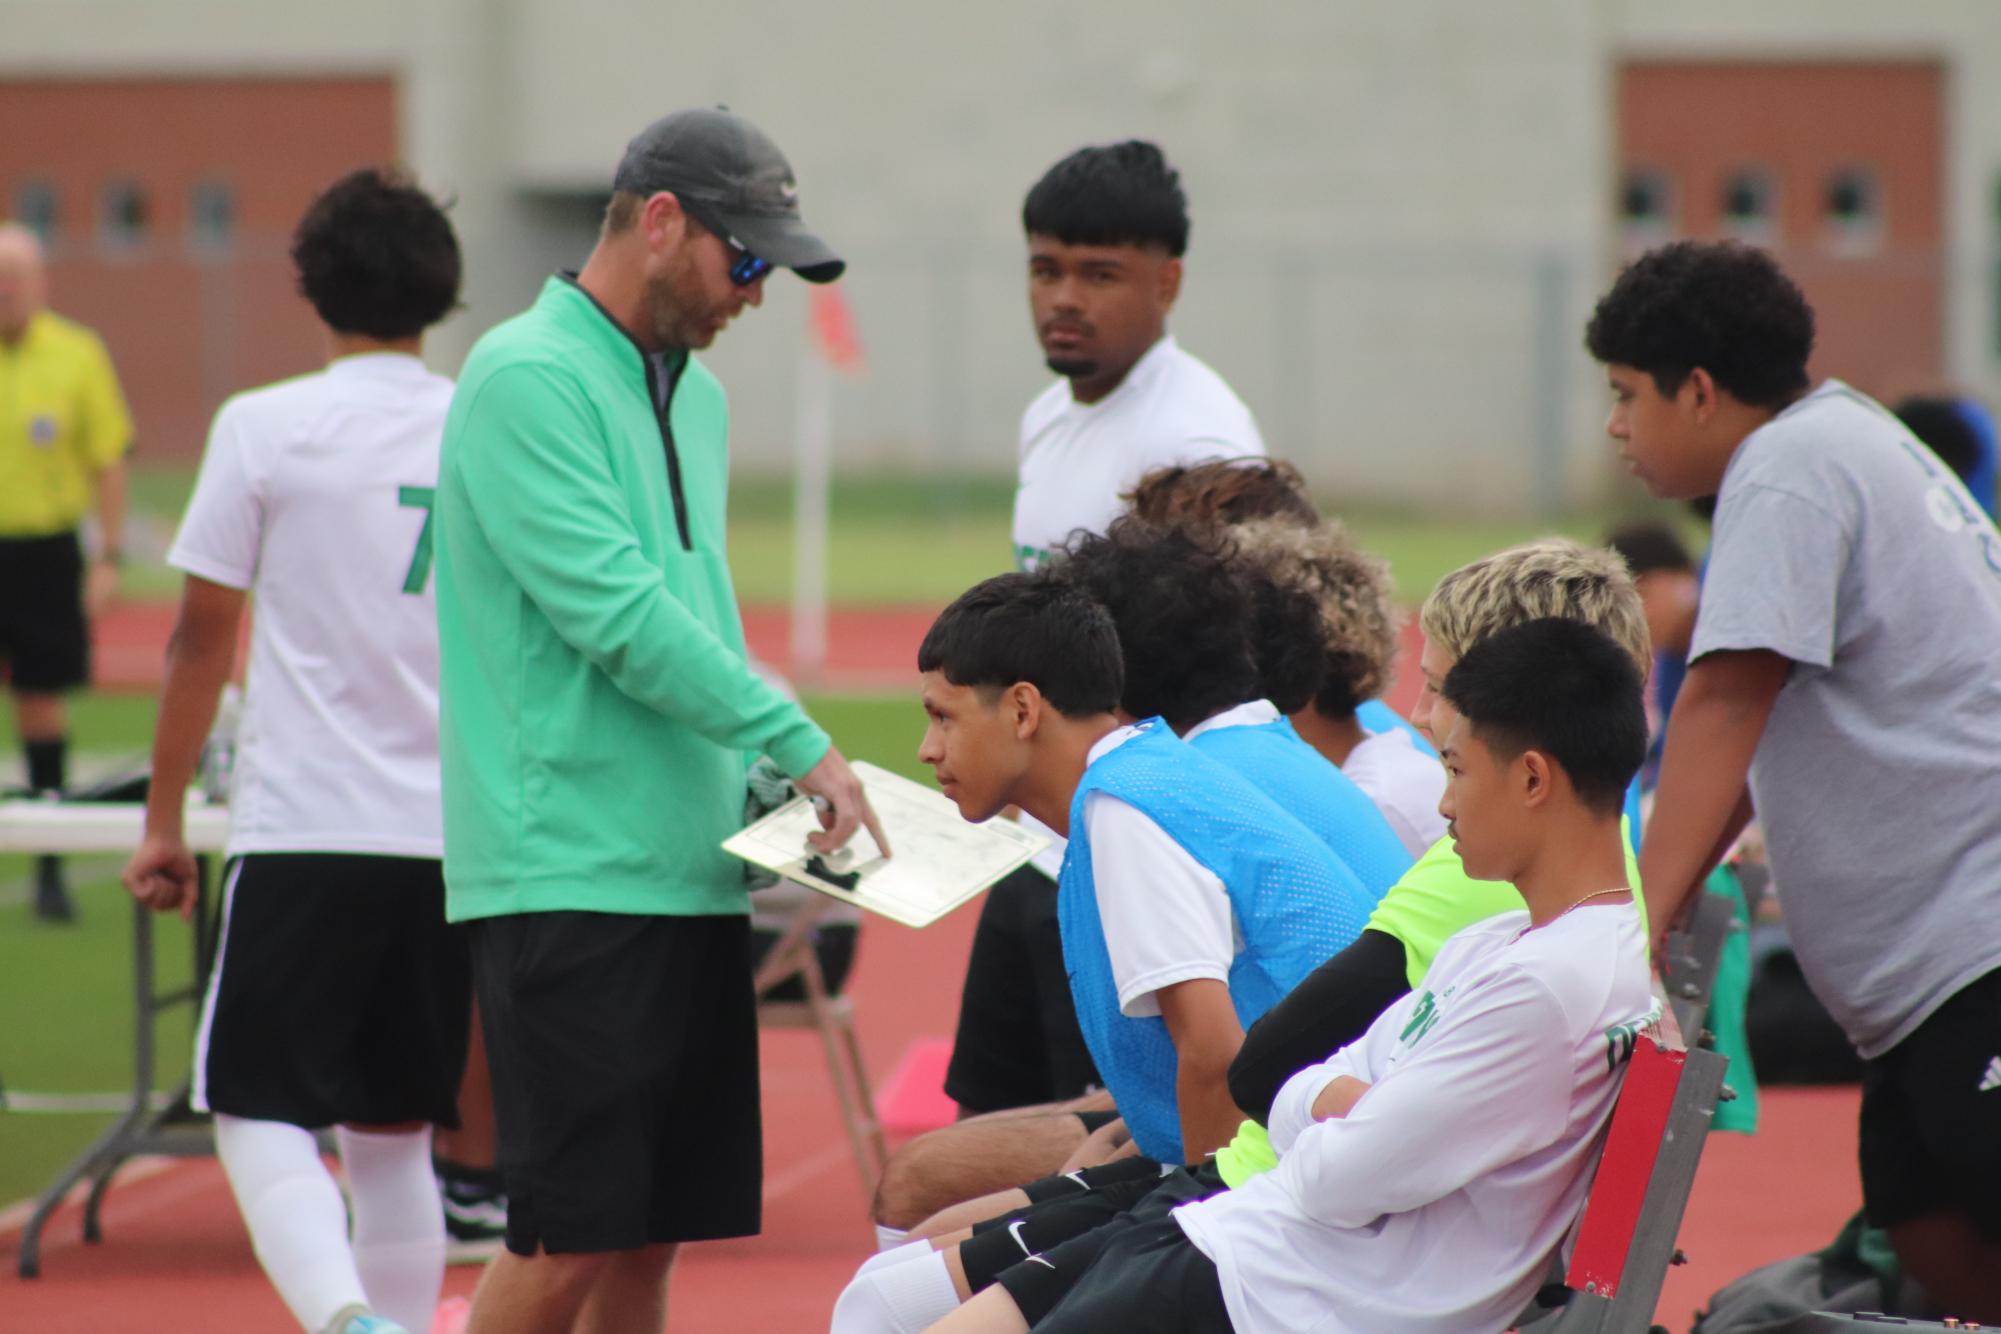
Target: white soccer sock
399 1222
297 1220
889 1238
899 1299
895 1255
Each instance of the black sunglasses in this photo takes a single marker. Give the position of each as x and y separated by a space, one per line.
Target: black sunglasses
745 268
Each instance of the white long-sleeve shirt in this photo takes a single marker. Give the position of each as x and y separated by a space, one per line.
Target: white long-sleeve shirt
1437 1202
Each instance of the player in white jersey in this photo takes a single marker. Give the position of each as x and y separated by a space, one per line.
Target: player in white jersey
339 995
1106 230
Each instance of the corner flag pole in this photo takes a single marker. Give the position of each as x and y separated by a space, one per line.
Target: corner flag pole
833 344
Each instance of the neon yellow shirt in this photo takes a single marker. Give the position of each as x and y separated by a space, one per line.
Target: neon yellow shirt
63 420
1436 898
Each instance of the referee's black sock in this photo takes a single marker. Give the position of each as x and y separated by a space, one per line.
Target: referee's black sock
47 761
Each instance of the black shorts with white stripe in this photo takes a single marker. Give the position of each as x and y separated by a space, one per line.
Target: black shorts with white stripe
340 995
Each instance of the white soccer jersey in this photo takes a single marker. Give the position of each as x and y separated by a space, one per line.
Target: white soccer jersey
1078 459
1435 1205
315 494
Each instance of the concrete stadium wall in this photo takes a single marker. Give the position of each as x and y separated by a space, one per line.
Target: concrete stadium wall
1402 213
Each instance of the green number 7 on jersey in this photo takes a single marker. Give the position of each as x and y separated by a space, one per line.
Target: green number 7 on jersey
419 497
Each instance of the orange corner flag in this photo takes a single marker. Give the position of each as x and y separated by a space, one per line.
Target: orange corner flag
832 326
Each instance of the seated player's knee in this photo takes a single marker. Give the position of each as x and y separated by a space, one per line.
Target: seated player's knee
895 1299
900 1195
861 1309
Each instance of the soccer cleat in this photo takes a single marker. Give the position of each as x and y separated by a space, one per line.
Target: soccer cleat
475 1218
52 898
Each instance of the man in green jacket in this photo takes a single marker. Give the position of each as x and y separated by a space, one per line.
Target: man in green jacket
598 716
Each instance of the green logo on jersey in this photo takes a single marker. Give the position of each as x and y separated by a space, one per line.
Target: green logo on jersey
1422 1019
1619 1038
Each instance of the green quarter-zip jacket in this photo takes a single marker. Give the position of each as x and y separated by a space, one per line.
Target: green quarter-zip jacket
597 710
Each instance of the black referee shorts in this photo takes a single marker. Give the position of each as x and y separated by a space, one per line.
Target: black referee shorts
340 994
625 1079
44 637
1018 1043
1931 1116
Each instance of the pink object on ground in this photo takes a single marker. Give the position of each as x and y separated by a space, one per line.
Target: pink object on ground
913 1098
451 1316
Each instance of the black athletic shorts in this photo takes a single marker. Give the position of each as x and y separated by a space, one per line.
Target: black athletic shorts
1018 1042
1138 1271
625 1081
44 637
998 1244
340 994
1931 1115
1059 1184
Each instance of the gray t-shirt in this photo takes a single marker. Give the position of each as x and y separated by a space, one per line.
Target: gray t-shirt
1845 545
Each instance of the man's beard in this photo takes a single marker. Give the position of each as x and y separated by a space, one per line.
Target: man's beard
667 318
1070 368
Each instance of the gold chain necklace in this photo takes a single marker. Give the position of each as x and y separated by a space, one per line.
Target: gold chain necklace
1594 894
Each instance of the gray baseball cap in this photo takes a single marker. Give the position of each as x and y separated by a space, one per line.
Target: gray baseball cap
731 178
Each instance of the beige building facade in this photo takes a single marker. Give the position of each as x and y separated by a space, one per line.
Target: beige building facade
1402 212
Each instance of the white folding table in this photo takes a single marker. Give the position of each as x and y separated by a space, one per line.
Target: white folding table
33 826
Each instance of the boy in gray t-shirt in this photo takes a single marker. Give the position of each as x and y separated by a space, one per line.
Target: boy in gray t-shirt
1847 663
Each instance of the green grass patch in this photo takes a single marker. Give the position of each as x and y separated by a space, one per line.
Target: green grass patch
69 988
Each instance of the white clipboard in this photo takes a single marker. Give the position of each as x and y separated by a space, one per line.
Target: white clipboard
940 860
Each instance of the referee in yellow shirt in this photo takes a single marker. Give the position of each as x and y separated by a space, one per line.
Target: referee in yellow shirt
64 430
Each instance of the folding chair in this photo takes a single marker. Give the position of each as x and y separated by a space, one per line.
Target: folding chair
1689 966
1625 1240
831 1016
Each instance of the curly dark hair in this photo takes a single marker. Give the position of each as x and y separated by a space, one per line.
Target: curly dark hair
1719 305
1223 491
1183 615
1116 194
1352 631
376 256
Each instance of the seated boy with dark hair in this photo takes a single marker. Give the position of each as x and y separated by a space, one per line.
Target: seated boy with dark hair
1170 592
1188 629
1429 1171
1167 846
